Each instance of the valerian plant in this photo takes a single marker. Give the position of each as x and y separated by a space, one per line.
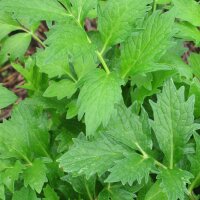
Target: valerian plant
112 113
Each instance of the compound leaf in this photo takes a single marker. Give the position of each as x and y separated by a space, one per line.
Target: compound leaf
35 9
85 158
50 194
80 8
25 134
140 53
188 10
61 89
116 19
25 194
116 192
128 129
97 99
156 192
174 121
35 176
6 97
195 165
173 182
133 167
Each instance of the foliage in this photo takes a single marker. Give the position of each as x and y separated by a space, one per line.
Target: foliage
111 114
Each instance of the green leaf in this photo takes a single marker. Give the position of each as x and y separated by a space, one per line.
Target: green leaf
80 8
173 182
26 134
50 194
25 194
116 19
81 185
35 175
97 99
67 42
7 25
188 32
133 167
141 52
16 46
195 90
85 158
174 121
10 175
195 165
2 192
155 193
188 10
194 62
35 9
116 192
61 89
6 97
128 129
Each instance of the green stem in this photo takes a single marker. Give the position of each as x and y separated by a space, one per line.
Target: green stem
34 36
103 62
193 184
154 5
88 192
71 77
99 54
37 39
145 155
159 164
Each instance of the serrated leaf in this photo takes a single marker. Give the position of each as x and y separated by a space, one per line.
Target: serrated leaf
133 167
156 192
50 194
140 53
174 121
25 194
72 46
7 25
188 32
10 175
116 192
61 89
128 129
97 99
35 9
25 134
80 8
81 185
195 90
116 19
86 158
35 175
194 62
173 182
195 165
6 97
188 10
15 46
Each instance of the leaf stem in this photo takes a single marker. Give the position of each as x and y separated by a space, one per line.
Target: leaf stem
193 184
88 192
103 62
154 5
38 39
34 36
145 155
159 164
99 54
